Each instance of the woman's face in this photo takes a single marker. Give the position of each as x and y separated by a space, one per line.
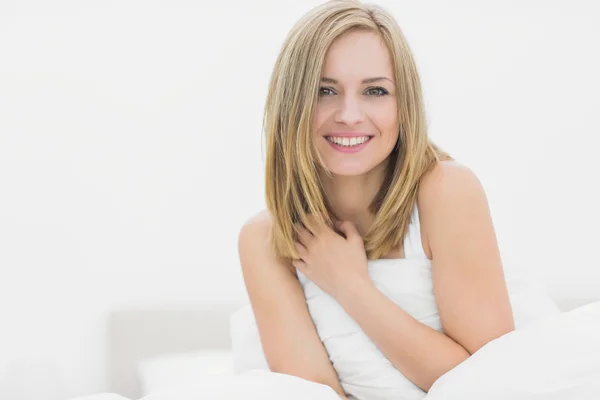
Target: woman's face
357 105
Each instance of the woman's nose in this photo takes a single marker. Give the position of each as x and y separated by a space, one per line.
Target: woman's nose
350 112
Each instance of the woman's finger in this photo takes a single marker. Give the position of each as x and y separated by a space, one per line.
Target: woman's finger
304 235
302 251
349 230
300 265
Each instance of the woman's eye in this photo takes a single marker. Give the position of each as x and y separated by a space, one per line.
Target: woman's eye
378 91
324 91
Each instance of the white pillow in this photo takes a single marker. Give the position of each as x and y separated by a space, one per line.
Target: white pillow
246 347
183 368
554 358
529 301
252 385
101 396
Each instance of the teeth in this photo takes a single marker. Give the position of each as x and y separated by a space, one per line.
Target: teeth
354 141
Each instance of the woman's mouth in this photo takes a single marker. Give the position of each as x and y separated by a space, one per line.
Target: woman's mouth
348 144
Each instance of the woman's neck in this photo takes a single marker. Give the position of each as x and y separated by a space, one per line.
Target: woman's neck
350 196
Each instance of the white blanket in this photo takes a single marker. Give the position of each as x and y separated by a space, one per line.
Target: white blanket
102 396
555 358
251 385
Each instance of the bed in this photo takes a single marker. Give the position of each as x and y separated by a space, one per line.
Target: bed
148 336
147 346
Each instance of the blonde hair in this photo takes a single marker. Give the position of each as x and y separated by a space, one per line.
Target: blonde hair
293 189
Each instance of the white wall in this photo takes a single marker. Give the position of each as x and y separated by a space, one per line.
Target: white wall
130 153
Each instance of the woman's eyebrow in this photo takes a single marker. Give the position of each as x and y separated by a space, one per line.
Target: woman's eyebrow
368 80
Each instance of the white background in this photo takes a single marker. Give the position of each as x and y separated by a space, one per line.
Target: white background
131 153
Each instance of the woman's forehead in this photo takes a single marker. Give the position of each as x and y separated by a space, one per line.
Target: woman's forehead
356 56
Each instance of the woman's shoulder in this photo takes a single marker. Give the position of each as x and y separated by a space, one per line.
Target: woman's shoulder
443 179
254 243
261 218
255 234
446 189
257 227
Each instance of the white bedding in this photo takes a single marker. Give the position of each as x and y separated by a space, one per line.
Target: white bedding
179 369
102 396
554 358
251 385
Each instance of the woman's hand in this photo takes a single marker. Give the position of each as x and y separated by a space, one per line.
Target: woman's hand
333 262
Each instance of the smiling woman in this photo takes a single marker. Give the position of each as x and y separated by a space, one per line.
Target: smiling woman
369 103
362 273
346 70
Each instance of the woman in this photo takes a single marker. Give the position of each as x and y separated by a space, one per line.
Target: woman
363 213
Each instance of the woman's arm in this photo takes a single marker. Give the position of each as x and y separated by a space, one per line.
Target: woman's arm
469 284
288 335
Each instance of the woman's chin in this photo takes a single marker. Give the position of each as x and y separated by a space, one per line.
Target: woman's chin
348 170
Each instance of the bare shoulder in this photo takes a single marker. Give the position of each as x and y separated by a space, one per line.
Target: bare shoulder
447 176
256 228
448 188
254 233
254 241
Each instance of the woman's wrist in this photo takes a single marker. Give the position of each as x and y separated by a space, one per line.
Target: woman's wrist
354 288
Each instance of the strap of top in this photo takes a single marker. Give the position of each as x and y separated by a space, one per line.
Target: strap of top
413 246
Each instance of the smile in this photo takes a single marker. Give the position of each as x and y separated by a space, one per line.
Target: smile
348 144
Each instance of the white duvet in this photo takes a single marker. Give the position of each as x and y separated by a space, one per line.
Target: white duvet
555 358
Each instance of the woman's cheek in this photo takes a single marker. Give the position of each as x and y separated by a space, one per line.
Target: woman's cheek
385 117
319 118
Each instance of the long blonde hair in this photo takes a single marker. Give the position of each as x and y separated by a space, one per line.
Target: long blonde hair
293 189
